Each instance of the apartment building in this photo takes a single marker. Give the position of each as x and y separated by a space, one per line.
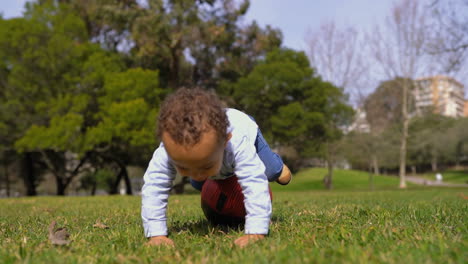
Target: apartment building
360 123
466 108
440 94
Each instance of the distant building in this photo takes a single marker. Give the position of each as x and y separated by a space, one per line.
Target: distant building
466 108
440 94
360 123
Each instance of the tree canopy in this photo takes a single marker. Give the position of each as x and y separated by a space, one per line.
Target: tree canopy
291 103
82 82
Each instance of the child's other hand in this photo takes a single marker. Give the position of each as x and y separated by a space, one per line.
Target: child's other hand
248 239
160 241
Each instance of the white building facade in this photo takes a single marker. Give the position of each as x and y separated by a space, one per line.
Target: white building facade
439 94
360 123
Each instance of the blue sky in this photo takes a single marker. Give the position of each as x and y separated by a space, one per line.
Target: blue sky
293 17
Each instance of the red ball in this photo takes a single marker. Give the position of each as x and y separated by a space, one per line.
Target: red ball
222 202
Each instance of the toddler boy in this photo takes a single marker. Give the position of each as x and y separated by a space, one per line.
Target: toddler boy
201 139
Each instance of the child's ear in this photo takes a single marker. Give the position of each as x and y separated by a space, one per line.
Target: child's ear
229 136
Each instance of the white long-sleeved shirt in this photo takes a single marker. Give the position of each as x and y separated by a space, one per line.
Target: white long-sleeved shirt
240 160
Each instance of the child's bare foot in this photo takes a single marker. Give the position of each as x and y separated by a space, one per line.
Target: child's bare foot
160 241
285 176
248 239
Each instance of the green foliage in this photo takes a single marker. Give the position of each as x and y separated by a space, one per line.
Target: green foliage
360 148
128 109
41 55
63 133
458 131
70 94
437 139
411 226
383 106
100 179
59 87
193 42
291 104
294 116
44 52
431 141
64 94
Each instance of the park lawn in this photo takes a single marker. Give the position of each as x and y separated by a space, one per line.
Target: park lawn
312 179
450 176
390 226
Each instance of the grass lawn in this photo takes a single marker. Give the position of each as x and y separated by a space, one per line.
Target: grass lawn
315 226
451 176
312 179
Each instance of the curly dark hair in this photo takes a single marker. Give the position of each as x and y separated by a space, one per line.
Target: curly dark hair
188 113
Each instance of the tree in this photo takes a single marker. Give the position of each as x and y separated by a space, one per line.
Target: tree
80 108
432 141
38 56
189 42
73 103
124 133
400 49
383 106
199 42
338 56
102 178
125 121
449 42
459 135
371 151
383 113
363 151
297 109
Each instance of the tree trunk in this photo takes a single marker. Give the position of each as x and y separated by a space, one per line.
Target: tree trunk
174 64
7 178
122 174
375 164
61 186
434 163
371 178
128 184
458 154
93 189
404 135
328 180
413 170
56 163
115 187
28 174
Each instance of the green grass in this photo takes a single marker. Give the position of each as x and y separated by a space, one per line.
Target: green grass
312 179
450 176
399 226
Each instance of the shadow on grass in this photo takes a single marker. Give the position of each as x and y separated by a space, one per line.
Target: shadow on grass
204 227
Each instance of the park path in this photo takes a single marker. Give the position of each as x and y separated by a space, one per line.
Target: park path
424 181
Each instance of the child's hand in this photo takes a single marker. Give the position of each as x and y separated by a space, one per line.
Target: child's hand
160 241
248 239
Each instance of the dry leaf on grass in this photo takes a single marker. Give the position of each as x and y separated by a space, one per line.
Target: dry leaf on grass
98 224
58 236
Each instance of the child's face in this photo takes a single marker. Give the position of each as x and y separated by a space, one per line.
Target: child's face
200 161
